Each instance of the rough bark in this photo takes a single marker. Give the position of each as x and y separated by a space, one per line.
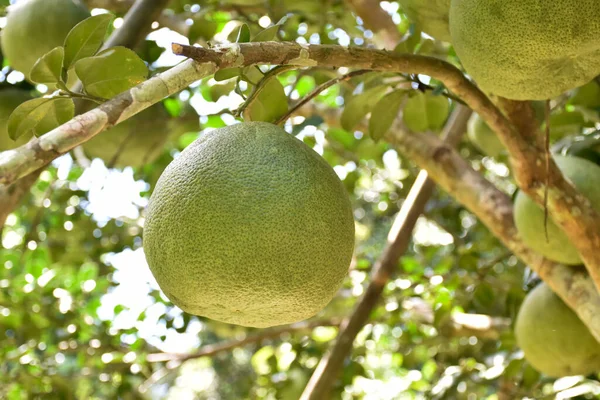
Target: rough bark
494 209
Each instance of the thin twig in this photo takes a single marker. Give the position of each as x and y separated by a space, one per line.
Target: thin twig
316 91
445 93
212 349
260 85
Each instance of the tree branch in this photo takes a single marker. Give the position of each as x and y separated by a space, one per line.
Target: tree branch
527 156
399 237
316 91
136 23
132 31
165 18
19 162
377 20
494 209
212 349
444 165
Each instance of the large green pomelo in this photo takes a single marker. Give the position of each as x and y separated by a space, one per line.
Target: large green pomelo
249 226
483 137
430 15
9 100
527 49
553 338
34 27
529 216
134 142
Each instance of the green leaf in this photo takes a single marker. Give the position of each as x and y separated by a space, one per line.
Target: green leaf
243 34
48 68
39 116
269 105
587 95
202 28
425 111
227 73
111 72
85 39
384 113
266 35
218 90
149 51
361 105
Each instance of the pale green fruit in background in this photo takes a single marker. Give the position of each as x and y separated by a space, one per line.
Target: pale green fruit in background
430 15
527 49
483 137
553 338
34 27
249 226
529 216
9 100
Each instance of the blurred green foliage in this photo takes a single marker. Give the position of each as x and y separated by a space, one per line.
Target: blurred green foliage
80 316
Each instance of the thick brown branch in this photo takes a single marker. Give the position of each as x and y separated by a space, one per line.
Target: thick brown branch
569 209
494 209
19 162
399 237
581 230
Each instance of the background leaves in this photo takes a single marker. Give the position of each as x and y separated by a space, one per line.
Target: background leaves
80 316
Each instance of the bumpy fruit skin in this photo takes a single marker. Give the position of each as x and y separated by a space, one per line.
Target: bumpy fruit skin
134 142
553 338
34 27
430 15
483 137
527 49
249 226
529 217
9 100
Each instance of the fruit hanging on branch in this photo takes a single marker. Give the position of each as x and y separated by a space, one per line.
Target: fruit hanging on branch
34 27
527 49
249 226
529 216
553 338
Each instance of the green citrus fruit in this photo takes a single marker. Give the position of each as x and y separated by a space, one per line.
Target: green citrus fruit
134 142
9 100
430 15
249 226
529 216
527 49
553 338
483 137
34 27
